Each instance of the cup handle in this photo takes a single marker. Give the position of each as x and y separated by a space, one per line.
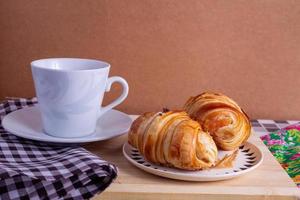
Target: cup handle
120 99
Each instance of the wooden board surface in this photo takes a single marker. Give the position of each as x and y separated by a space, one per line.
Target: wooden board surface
268 181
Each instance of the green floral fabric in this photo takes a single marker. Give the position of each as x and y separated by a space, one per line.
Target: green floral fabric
285 146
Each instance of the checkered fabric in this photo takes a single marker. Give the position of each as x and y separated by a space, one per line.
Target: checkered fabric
37 170
265 126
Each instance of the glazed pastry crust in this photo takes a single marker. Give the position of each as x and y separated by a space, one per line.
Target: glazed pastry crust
221 117
173 139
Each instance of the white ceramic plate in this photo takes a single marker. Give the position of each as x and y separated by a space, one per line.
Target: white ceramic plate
249 157
27 123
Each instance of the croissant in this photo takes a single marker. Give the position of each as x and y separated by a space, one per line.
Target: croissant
173 139
228 124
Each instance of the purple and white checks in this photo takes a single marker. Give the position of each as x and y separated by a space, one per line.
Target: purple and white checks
36 170
265 126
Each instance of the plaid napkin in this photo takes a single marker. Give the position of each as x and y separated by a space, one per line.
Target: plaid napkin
37 170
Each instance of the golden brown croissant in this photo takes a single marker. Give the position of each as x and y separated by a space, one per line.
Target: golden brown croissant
221 117
173 139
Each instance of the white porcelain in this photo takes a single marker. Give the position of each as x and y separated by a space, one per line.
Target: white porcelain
249 157
27 123
70 93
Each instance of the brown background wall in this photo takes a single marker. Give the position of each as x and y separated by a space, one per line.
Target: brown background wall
168 50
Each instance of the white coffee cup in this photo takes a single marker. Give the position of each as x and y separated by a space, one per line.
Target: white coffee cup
70 93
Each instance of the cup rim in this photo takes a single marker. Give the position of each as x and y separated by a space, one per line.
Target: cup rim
103 64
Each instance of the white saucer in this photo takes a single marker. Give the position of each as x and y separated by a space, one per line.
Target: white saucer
27 123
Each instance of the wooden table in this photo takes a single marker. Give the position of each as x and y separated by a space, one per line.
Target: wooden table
268 181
